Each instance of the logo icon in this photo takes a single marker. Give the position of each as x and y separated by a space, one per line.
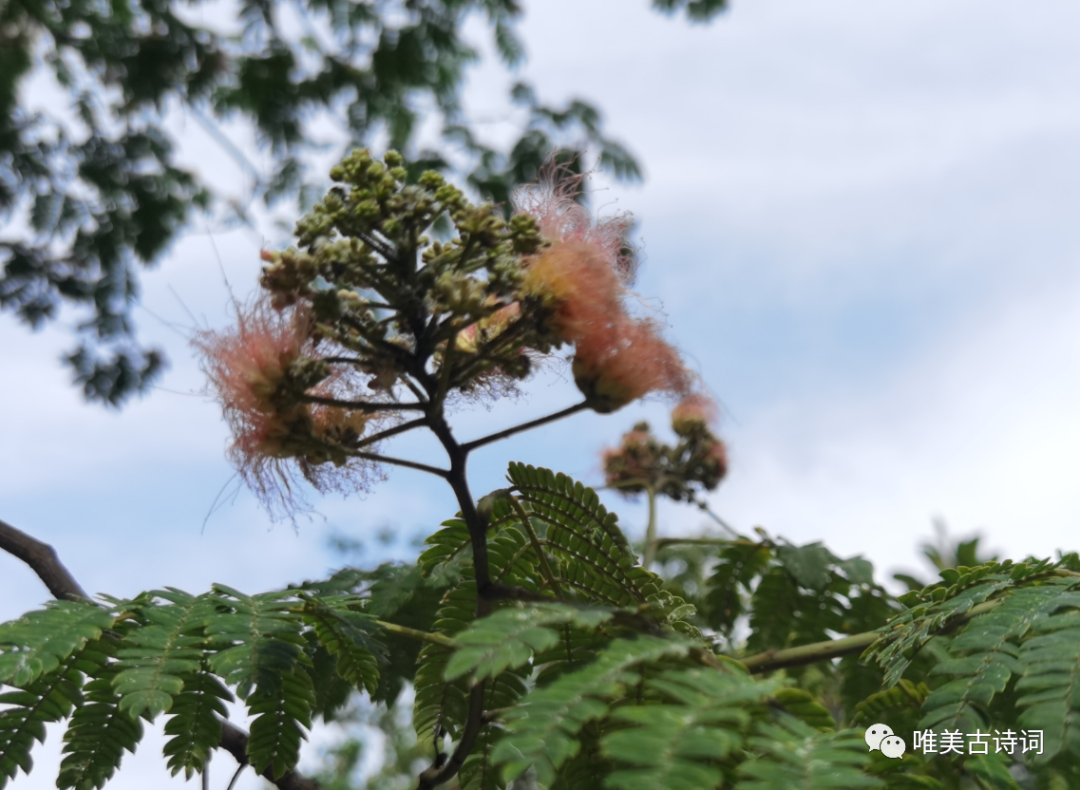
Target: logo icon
880 736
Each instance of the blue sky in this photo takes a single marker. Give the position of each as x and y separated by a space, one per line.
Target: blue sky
858 217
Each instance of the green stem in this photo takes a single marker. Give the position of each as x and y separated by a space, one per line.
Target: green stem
772 660
545 568
650 529
412 633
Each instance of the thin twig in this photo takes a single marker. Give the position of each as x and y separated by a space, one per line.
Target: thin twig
386 459
401 428
468 447
361 405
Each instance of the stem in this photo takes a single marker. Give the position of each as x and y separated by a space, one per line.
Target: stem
665 542
525 426
412 633
545 568
650 530
402 428
386 459
834 648
359 405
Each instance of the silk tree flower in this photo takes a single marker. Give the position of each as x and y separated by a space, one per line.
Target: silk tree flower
259 370
581 278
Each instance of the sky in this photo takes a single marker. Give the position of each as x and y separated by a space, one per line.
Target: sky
858 218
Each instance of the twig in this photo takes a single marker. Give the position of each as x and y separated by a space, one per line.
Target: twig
385 459
468 447
835 648
361 405
423 636
401 428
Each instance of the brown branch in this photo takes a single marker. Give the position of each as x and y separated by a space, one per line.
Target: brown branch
43 560
362 405
394 431
386 459
525 426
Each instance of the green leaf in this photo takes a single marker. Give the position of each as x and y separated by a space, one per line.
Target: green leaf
157 655
677 745
542 729
790 754
40 641
508 638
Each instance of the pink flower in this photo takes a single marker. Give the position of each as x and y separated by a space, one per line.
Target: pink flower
562 219
693 411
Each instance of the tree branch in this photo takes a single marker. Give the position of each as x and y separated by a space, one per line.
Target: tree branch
386 459
362 405
525 426
43 560
835 648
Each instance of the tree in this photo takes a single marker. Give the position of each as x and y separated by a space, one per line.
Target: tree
103 191
542 652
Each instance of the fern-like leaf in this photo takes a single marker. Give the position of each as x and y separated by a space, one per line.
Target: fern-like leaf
595 557
155 656
679 744
49 698
791 753
542 729
508 638
194 726
99 733
40 641
1050 687
261 653
983 657
346 635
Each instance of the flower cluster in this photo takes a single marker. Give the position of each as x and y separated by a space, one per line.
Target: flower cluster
582 279
369 318
698 462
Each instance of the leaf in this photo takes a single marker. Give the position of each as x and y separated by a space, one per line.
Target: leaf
49 698
790 754
40 641
155 656
346 635
678 744
508 638
99 732
194 726
542 728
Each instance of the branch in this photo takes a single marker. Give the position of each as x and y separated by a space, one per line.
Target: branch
386 459
525 426
835 648
401 428
43 560
809 654
362 405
